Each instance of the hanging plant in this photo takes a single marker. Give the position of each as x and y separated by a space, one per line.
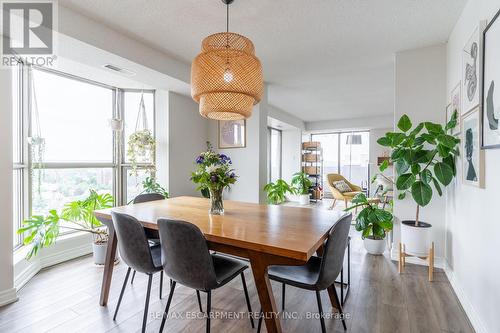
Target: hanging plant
36 141
141 143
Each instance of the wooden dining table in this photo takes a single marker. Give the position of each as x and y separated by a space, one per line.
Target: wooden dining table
264 234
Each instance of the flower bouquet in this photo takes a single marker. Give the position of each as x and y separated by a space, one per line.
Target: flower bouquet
214 173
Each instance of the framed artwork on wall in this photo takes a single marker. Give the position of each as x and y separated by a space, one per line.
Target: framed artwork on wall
491 85
456 101
472 154
471 69
232 133
449 113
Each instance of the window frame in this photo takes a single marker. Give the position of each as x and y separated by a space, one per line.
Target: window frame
117 165
269 152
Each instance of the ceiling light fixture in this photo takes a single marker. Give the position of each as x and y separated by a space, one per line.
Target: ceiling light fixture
226 77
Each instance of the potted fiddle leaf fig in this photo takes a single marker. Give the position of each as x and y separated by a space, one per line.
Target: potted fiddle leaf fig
424 162
373 223
301 184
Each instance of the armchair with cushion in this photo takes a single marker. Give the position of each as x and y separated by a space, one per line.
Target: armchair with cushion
337 195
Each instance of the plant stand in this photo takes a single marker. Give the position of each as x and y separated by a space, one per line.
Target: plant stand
429 258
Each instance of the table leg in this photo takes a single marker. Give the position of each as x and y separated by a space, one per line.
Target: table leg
259 265
108 267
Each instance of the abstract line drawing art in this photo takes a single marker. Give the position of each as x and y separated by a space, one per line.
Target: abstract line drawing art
471 69
490 131
471 73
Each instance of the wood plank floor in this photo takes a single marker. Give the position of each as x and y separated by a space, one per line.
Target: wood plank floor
64 298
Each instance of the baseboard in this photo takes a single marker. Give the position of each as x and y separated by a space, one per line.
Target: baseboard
8 296
439 262
47 260
469 310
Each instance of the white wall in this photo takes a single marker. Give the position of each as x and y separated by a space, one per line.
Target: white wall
472 218
7 291
187 133
291 149
376 151
421 94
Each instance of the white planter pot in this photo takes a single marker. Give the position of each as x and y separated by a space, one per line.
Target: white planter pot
99 251
416 239
304 199
374 246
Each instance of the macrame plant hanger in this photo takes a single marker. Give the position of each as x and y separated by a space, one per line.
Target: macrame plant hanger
36 141
141 115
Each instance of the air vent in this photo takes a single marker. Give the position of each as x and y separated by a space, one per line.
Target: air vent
119 70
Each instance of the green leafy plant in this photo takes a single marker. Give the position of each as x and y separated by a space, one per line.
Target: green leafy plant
301 183
276 191
422 156
42 231
373 222
150 185
141 149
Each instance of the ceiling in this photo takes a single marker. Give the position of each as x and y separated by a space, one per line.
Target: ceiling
323 59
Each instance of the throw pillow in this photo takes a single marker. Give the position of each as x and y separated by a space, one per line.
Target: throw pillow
342 186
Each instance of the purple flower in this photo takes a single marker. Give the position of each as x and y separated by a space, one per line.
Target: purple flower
200 159
232 175
214 178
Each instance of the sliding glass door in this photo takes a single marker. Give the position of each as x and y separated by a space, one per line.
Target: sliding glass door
345 153
274 154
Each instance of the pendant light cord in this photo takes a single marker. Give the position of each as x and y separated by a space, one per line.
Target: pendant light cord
227 17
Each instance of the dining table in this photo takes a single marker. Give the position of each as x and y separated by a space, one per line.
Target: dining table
263 234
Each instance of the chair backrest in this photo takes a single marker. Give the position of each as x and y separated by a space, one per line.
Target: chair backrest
145 197
333 253
132 243
333 177
187 259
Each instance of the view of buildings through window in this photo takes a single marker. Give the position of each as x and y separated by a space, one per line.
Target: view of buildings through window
64 145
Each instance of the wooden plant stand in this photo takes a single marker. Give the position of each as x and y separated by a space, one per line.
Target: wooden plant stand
429 258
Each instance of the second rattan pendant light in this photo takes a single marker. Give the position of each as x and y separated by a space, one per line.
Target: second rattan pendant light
226 77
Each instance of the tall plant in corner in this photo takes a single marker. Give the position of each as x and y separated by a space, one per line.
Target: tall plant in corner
424 160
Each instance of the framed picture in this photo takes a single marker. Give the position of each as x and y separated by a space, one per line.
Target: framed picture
471 69
232 133
491 85
472 154
449 113
456 101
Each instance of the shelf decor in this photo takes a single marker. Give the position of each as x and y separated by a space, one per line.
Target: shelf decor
226 77
312 166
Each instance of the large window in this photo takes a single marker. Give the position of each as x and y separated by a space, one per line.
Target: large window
80 150
274 154
346 153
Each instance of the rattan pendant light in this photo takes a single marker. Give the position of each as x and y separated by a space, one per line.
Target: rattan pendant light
226 77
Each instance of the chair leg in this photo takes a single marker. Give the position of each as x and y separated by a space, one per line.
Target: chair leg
121 293
133 277
320 309
283 288
199 300
249 306
341 311
342 284
161 283
146 306
170 295
333 203
259 325
209 309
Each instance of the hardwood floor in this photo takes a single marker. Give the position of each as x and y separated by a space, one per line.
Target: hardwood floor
64 298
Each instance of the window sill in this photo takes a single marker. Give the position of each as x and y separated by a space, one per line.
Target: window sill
67 247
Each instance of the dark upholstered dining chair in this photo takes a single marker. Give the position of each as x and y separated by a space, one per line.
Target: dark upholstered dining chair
136 253
187 260
318 273
151 235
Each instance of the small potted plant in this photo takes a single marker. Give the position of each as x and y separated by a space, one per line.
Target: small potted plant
214 173
301 184
423 157
373 223
42 231
276 192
